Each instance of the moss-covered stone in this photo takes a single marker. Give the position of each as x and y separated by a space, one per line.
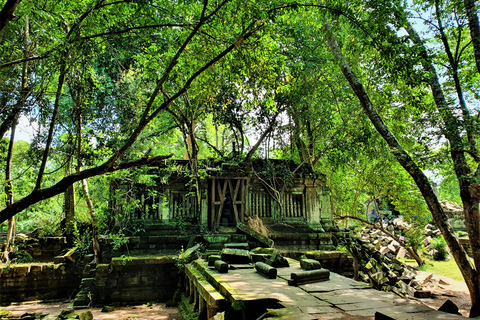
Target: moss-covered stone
277 261
87 315
5 313
108 309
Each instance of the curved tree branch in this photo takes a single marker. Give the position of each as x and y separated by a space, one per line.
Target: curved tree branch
7 13
58 188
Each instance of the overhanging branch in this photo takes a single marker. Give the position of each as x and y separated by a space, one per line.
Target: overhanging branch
60 187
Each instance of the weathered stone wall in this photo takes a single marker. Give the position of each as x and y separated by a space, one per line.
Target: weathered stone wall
42 249
305 199
31 282
46 248
145 245
132 279
303 241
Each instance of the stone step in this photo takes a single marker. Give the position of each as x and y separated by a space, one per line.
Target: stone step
237 245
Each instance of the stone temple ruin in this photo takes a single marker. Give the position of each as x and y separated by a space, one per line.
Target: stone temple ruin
230 194
210 245
296 209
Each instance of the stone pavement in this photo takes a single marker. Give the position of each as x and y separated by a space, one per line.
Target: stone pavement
337 298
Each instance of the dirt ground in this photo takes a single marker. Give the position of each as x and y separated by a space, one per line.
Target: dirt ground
157 311
443 289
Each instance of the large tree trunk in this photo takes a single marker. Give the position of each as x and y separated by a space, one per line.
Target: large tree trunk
469 272
474 26
77 119
95 234
7 13
9 194
15 113
67 223
469 192
467 119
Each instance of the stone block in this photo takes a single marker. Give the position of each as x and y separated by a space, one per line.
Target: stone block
35 269
309 276
7 272
116 295
221 266
102 269
147 281
111 282
310 264
401 253
100 282
260 250
190 254
379 278
392 248
88 258
259 257
408 274
266 270
82 299
232 245
131 280
22 271
235 256
217 238
395 243
277 261
212 259
257 236
405 288
422 294
87 315
384 250
449 307
238 237
87 283
108 309
60 269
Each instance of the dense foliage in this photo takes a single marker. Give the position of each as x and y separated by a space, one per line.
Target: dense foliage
381 96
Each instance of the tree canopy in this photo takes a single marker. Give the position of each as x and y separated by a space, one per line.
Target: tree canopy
381 96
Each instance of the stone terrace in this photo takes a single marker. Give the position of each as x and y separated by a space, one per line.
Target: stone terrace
337 298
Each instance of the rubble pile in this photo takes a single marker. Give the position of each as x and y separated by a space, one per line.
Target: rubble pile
384 271
399 228
431 232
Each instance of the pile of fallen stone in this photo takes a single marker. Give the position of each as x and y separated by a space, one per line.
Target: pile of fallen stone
382 242
384 271
399 228
431 232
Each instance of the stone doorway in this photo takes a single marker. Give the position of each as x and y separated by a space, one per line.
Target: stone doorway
227 201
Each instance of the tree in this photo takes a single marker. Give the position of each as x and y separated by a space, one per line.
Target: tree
7 13
451 128
474 27
196 23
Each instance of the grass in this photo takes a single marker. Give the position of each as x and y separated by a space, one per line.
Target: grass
447 268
